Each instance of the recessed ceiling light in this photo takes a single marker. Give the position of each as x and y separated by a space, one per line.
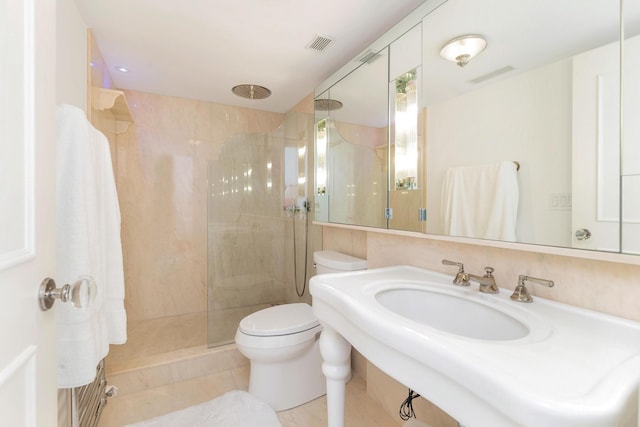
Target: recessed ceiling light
121 69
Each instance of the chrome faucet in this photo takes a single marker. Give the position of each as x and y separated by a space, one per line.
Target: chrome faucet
487 282
521 293
462 278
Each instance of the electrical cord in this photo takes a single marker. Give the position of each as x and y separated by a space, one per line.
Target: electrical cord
406 408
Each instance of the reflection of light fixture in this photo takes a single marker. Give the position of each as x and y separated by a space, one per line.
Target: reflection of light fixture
463 48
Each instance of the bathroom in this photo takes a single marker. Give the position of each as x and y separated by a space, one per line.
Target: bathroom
162 188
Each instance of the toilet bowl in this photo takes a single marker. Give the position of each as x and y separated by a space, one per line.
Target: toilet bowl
282 345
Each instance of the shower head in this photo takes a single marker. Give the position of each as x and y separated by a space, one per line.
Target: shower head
251 91
325 104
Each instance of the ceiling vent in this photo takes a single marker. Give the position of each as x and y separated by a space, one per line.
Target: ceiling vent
492 74
320 43
369 56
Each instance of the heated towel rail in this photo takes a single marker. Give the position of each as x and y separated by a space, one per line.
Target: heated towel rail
91 399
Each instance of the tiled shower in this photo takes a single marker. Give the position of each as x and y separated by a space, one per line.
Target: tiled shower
206 234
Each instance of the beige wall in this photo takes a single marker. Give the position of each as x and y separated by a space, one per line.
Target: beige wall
604 286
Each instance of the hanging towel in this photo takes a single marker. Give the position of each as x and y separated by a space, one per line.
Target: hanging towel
87 243
481 201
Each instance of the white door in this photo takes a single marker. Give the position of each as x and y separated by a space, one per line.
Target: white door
597 165
28 395
596 148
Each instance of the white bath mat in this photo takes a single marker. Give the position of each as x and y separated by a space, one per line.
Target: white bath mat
233 409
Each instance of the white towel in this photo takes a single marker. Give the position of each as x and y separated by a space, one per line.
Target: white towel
88 243
481 201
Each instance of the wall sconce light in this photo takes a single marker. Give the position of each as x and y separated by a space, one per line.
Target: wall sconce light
463 48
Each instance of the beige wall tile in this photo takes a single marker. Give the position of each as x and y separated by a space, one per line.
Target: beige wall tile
162 170
344 240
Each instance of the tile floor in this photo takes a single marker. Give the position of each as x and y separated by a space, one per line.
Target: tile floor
361 410
165 367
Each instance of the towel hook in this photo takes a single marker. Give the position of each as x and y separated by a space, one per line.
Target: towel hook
80 294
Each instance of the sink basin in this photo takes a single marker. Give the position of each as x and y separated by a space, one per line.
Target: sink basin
483 358
452 314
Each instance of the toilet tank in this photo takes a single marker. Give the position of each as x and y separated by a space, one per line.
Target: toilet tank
334 262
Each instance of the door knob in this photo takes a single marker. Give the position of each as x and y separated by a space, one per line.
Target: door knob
583 234
80 294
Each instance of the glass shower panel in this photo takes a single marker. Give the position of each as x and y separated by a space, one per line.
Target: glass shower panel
246 234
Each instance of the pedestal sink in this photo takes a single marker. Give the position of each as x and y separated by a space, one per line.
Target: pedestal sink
484 359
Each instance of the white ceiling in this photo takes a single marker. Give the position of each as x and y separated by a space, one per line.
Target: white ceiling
200 49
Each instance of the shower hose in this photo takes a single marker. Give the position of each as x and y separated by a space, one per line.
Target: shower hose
306 251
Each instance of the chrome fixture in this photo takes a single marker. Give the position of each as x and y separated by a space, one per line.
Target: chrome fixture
80 294
462 278
521 293
461 49
487 282
325 104
583 234
251 91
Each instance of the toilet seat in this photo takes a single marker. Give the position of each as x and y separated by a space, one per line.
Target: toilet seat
279 320
279 326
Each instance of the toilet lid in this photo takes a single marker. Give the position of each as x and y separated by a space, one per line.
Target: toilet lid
279 320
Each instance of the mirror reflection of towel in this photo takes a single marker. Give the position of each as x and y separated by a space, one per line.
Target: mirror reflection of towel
481 201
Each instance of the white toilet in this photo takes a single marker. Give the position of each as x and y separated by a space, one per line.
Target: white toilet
281 343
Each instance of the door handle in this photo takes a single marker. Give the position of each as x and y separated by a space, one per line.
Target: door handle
80 294
583 234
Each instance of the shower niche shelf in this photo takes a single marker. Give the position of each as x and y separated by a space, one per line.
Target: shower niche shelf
115 102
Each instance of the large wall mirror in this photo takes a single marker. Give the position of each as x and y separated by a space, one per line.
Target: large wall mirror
550 95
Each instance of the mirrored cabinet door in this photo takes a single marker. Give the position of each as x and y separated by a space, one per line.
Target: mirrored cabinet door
406 136
630 150
351 137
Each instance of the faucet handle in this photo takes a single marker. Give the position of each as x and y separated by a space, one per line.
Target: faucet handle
462 278
521 293
457 264
488 271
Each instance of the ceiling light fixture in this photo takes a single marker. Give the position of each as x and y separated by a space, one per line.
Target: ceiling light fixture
121 69
461 49
251 91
